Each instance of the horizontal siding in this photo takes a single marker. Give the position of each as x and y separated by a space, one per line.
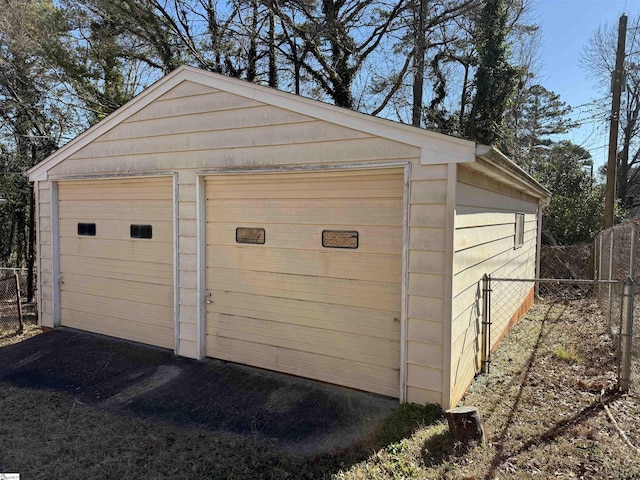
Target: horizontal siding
484 243
113 284
215 129
195 128
290 302
45 265
426 283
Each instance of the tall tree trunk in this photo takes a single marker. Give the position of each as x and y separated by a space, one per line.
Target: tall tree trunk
419 14
252 60
339 40
273 72
463 98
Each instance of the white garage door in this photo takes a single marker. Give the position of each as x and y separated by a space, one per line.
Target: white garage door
116 258
304 274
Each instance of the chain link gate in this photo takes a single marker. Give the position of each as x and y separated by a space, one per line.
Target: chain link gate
498 306
10 307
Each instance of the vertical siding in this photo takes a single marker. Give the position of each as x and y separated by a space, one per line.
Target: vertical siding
426 286
484 242
44 254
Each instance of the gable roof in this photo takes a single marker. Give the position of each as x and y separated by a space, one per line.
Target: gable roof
435 148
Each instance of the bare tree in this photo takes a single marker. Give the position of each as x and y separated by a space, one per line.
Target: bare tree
599 60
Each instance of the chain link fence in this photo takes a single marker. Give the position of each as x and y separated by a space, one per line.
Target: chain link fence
566 261
22 276
506 300
616 256
10 307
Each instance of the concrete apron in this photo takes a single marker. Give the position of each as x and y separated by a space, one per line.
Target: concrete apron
299 415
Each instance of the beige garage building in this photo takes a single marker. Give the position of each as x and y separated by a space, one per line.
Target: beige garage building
223 219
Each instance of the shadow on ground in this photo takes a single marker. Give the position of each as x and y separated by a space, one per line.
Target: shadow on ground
307 417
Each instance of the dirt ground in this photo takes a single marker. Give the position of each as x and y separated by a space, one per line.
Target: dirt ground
551 412
549 409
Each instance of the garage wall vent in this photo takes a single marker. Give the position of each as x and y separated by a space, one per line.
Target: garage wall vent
141 231
250 235
340 239
87 229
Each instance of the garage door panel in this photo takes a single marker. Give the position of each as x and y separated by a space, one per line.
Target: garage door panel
300 283
127 211
148 278
390 333
303 334
123 250
111 283
335 295
305 364
291 304
337 318
384 215
120 308
119 328
334 264
99 193
255 302
374 240
142 292
117 229
346 188
105 266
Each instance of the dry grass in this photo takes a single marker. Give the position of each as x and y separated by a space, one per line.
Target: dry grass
542 405
543 411
30 328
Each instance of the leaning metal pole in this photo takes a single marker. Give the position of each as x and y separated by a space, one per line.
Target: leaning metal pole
626 336
486 323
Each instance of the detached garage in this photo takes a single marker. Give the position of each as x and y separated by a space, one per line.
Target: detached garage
224 219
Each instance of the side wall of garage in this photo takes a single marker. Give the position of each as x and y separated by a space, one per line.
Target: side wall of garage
194 129
485 242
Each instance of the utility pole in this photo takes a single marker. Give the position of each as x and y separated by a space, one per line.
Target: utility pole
616 88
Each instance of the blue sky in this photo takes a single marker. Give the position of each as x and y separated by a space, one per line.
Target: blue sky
566 26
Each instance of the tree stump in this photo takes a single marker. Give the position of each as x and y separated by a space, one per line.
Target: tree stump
465 424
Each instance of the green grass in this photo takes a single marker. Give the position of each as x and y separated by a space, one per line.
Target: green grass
567 354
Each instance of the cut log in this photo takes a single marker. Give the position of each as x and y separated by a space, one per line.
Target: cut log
465 424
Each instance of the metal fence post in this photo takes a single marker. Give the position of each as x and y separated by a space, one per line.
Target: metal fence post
486 323
632 253
18 303
626 335
610 276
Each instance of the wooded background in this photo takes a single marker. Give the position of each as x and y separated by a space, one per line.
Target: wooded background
462 67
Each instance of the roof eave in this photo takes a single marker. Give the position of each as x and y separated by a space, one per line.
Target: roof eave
493 158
